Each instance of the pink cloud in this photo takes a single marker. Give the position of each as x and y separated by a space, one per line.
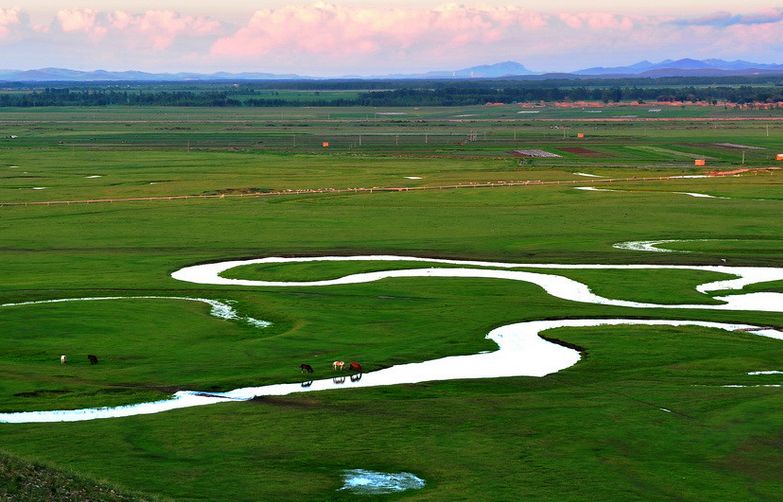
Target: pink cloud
8 18
161 27
335 38
597 21
81 20
324 28
154 28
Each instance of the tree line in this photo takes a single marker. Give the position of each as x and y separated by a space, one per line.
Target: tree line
425 93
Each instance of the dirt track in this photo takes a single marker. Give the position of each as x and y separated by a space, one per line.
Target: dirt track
336 191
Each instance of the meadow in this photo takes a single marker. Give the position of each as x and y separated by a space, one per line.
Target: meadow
643 416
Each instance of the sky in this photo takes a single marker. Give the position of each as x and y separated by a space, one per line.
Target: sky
371 37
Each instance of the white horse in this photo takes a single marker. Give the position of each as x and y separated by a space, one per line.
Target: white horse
63 359
338 365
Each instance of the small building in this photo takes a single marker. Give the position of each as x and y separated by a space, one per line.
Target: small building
779 156
580 135
325 144
700 162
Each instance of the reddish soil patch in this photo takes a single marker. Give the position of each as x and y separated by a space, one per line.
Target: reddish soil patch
583 151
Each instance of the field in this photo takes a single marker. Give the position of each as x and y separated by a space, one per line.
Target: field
645 414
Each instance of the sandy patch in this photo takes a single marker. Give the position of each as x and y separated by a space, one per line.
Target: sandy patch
740 147
536 154
94 176
413 177
650 246
588 175
700 195
594 189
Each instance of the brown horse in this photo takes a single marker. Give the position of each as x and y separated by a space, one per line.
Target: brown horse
306 368
338 365
356 367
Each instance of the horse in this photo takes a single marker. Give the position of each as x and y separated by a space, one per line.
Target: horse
306 368
63 359
338 366
93 359
356 367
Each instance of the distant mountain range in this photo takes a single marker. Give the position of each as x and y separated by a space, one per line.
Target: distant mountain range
685 67
497 70
644 69
65 75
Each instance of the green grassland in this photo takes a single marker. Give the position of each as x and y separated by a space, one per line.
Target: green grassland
662 286
643 416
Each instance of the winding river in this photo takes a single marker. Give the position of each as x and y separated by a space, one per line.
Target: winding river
521 351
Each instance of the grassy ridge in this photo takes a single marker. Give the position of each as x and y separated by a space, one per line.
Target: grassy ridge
20 480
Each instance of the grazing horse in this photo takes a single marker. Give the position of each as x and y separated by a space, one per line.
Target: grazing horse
338 365
356 367
63 359
93 359
306 368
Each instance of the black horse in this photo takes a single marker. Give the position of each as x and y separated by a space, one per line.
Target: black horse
93 359
306 368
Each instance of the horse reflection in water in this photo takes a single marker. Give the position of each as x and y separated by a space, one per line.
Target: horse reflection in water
338 380
307 384
356 377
